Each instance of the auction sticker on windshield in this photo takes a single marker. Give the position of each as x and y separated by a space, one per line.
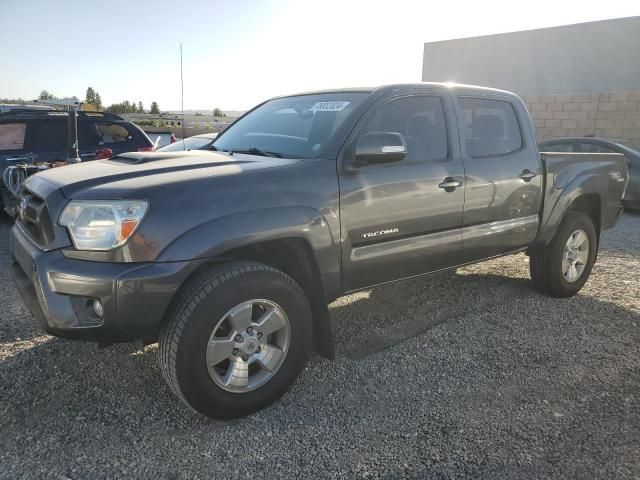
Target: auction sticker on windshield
336 106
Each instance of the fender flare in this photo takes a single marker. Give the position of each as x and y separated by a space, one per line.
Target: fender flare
217 236
559 200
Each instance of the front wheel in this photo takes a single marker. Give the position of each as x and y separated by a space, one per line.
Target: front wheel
563 267
237 339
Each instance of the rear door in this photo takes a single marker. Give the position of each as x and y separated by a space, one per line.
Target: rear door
397 219
503 175
48 138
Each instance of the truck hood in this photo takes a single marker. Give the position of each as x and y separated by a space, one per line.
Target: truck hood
131 171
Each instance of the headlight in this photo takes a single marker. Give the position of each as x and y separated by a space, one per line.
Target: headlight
102 225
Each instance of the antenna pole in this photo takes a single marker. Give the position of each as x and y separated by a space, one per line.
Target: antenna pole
182 98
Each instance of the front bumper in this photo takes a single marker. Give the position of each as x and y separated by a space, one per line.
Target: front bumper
60 290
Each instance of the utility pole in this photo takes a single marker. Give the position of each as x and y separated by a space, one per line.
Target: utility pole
73 153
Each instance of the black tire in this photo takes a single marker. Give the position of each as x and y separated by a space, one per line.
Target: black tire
545 264
199 306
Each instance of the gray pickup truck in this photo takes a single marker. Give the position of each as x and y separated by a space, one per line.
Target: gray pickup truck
229 257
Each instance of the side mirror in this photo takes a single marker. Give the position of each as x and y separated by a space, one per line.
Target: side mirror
379 147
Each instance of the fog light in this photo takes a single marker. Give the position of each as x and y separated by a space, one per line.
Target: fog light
98 309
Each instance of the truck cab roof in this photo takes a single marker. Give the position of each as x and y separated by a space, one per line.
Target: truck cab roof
397 86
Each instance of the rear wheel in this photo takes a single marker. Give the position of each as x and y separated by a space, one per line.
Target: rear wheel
563 267
237 339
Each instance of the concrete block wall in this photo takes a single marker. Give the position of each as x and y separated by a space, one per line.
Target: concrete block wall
613 115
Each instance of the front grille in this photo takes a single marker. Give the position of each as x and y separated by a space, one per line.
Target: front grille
34 217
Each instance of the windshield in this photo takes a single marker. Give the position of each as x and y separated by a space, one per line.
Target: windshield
296 127
191 143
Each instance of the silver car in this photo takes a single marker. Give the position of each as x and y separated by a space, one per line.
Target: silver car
197 142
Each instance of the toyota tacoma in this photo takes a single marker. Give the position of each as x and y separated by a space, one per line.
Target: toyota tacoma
228 257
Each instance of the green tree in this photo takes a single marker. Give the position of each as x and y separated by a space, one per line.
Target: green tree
11 100
218 113
154 108
126 107
90 97
116 108
45 95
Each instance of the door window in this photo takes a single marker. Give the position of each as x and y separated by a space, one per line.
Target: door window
558 147
421 122
12 136
88 138
490 127
112 133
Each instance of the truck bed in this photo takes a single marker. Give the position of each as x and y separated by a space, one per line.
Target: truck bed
569 175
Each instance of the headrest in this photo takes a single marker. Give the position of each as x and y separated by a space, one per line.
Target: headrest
418 126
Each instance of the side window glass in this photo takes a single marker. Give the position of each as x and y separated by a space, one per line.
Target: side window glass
12 136
560 147
88 136
490 127
112 133
421 122
591 148
48 135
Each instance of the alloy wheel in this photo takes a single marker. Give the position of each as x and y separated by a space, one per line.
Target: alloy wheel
248 345
575 255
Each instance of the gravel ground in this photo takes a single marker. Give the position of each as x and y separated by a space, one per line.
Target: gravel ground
466 374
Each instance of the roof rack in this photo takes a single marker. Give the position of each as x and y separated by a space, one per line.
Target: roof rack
29 113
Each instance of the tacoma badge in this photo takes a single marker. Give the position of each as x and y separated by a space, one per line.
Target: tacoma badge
380 232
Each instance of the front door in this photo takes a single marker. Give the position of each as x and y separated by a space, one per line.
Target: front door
403 219
503 176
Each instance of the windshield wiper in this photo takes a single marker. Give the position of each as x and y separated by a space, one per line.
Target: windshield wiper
257 151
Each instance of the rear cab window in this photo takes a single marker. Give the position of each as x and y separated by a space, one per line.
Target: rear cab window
12 136
490 127
558 147
592 148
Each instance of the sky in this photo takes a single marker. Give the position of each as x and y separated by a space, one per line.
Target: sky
237 53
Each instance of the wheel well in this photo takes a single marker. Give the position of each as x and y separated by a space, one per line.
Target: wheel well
290 255
590 205
294 257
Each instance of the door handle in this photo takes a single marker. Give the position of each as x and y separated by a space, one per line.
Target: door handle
527 175
450 184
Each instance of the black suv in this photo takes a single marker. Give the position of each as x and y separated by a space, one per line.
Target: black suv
32 136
